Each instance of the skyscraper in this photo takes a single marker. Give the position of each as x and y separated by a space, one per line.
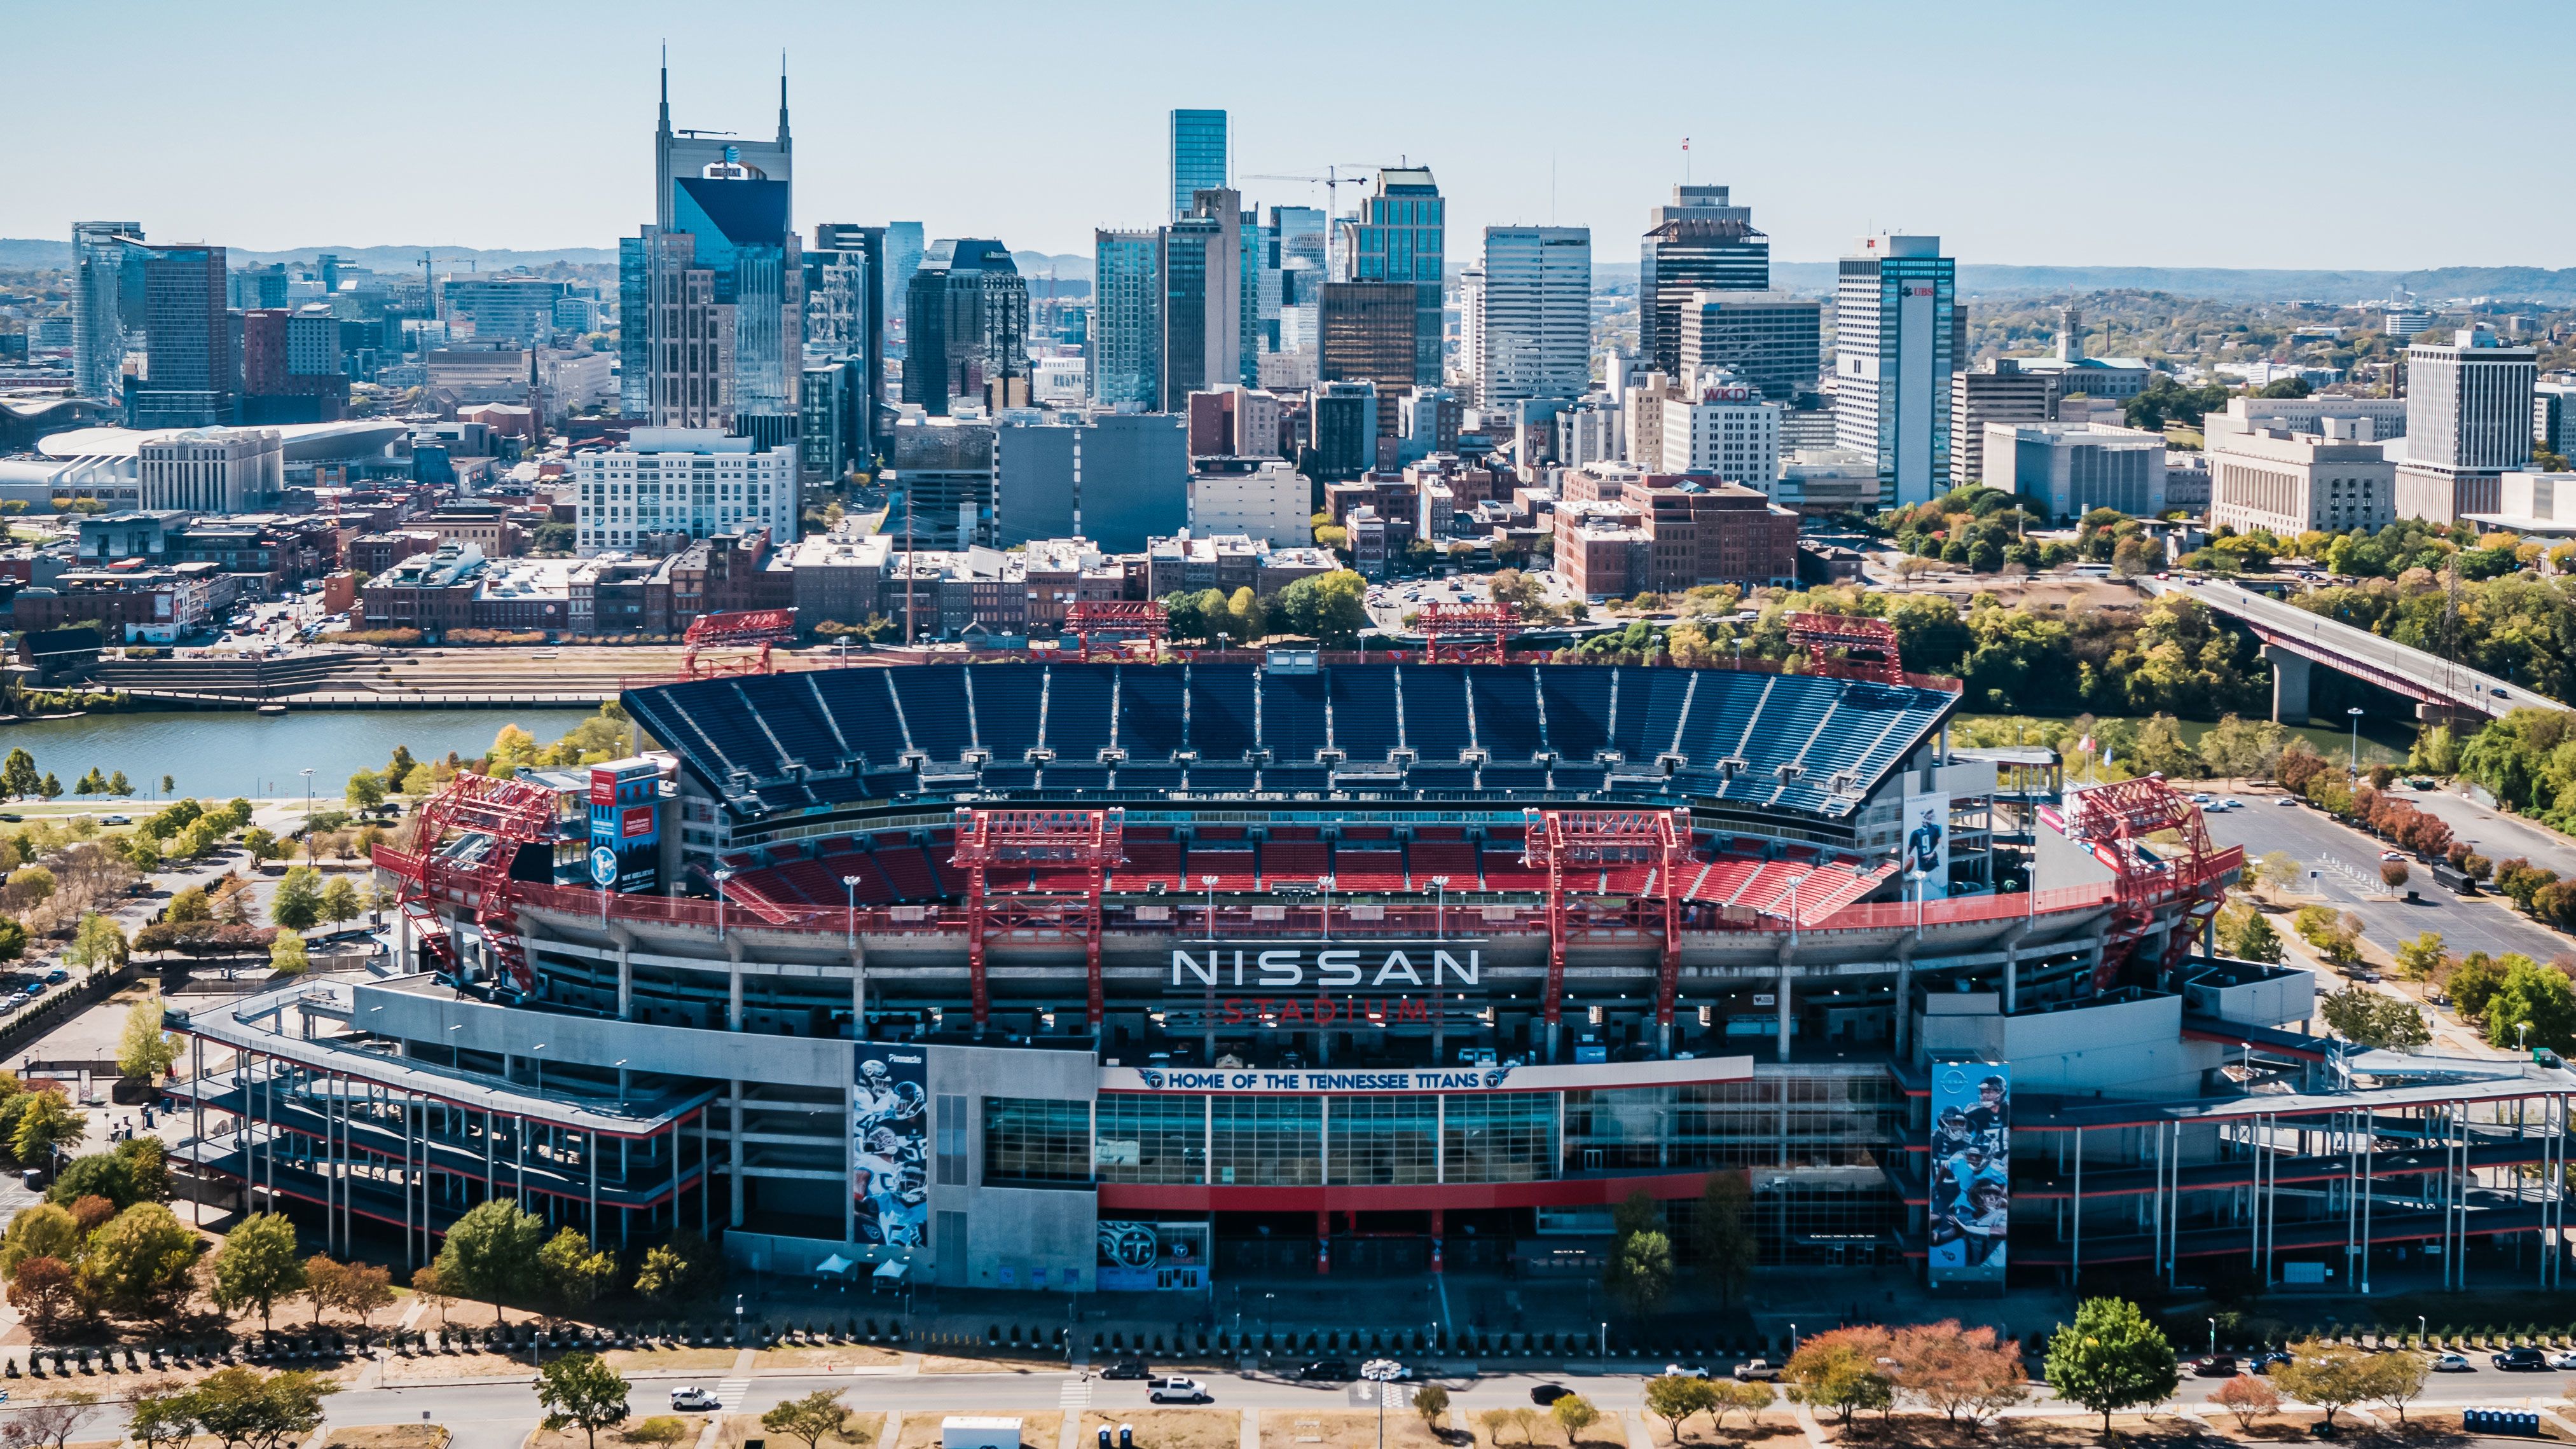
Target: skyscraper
1775 340
967 323
1127 318
1202 298
1397 237
192 354
678 155
98 310
1533 326
1697 243
2468 423
845 317
903 258
1896 333
1198 157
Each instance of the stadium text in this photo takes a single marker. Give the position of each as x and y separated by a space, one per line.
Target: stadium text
1413 963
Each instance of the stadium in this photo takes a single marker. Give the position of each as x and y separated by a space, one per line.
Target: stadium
1098 972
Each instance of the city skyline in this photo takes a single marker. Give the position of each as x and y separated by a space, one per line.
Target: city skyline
1988 162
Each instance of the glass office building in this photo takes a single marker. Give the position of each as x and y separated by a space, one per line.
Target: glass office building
1398 238
1198 156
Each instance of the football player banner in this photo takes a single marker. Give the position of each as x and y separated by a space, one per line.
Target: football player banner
890 1145
1971 1186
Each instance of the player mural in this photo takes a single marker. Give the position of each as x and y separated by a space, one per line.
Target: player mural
1971 1198
890 1137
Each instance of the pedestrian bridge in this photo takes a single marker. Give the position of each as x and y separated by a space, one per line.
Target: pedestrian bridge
2295 641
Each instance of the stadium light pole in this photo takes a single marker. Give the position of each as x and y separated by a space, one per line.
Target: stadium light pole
1325 883
851 883
1440 906
1209 881
2355 712
722 874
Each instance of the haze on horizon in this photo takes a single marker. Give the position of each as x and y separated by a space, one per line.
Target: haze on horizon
2203 135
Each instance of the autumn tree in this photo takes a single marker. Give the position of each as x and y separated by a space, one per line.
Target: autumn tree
2249 1398
1958 1370
1839 1370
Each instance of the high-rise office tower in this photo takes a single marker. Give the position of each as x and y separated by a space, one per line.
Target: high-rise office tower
1697 243
966 324
1292 242
678 155
1198 157
1252 248
845 317
736 221
1775 340
192 351
2468 423
1896 337
685 340
98 311
1127 318
903 258
1202 298
1532 333
1397 237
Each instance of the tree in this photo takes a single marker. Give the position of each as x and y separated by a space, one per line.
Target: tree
1958 1370
286 954
126 1174
44 1288
1839 1370
808 1418
45 1121
340 902
188 905
161 1417
2112 1358
2372 1019
491 1251
2533 996
50 787
18 775
2396 1379
1573 1414
581 1389
2393 873
2256 940
145 1051
257 1266
119 786
1727 1395
574 1272
99 945
2421 959
1720 1237
677 1271
662 1429
2249 1398
45 1230
1675 1397
140 1264
357 1289
50 1420
366 790
242 1408
426 1286
1431 1402
2331 1376
298 903
1641 1270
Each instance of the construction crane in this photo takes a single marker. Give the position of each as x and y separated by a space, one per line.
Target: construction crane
739 629
1332 181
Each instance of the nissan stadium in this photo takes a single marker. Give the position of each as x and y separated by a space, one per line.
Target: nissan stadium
1082 972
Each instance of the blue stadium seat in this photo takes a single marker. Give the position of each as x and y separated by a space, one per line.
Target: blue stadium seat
1514 777
1292 716
1294 779
862 704
935 709
1441 775
1076 775
1507 710
1014 775
1435 710
1221 778
1077 722
1578 710
1364 727
1221 711
1006 708
1149 775
1149 711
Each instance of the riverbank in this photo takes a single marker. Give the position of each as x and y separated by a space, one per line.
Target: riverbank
224 753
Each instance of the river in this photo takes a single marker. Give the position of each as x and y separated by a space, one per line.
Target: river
225 753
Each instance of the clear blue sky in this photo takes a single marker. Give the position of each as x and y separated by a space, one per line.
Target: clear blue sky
2254 135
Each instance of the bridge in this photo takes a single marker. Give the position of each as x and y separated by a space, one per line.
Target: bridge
2295 641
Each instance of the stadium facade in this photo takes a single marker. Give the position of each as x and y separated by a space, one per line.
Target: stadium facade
1080 975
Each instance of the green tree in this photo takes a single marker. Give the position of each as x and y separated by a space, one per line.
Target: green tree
425 1286
286 953
50 787
145 1051
298 904
2533 996
161 1418
99 945
1731 1395
1721 1239
2397 1378
809 1418
581 1390
18 775
1839 1370
1642 1271
2254 939
340 901
1431 1402
491 1251
2332 1376
2421 959
47 1118
126 1174
679 1270
258 1265
366 790
242 1408
120 786
1573 1414
575 1273
1676 1397
141 1263
2112 1358
45 1230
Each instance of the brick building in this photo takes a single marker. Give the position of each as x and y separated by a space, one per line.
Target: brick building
1671 533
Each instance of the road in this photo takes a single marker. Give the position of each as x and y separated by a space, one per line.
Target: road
486 1415
2494 834
2391 661
2345 870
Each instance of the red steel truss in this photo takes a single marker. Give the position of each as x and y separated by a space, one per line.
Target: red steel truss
1596 839
741 629
2115 820
1859 639
1127 618
506 814
1485 628
1091 841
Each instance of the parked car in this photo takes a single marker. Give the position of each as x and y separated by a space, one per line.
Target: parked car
693 1397
57 976
1758 1370
2268 1360
1127 1368
2452 1363
2215 1366
1546 1395
2565 1358
2200 799
1328 1370
1684 1371
2231 803
118 820
2392 855
1384 1370
2521 1360
1180 1391
2287 800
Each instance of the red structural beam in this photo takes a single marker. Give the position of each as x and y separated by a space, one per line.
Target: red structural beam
1126 618
740 628
507 814
1091 841
1486 628
2115 819
1559 839
1868 645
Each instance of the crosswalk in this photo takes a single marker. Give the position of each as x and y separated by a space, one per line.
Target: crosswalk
1075 1394
730 1393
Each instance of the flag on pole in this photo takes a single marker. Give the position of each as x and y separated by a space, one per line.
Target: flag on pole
2086 744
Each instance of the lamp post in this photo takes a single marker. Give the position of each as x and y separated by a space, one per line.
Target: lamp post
722 875
540 1065
1209 881
1440 906
2355 712
2213 1336
851 937
1325 883
308 815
